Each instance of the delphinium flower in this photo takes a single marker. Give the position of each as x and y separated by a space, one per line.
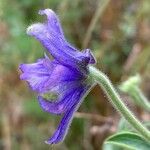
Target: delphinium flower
62 82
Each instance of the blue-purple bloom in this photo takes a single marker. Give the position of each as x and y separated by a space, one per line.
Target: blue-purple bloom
60 83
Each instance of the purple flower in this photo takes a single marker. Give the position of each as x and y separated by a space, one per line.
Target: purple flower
60 83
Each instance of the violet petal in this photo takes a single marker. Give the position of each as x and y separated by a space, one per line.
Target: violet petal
51 36
65 122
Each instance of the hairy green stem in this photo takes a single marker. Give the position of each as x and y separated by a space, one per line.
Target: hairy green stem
139 96
115 99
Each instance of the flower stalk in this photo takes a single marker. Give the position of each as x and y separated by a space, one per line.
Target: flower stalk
115 99
138 94
132 88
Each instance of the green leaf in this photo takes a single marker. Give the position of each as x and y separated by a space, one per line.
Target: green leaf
128 140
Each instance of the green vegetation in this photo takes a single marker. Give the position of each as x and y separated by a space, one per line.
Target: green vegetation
119 38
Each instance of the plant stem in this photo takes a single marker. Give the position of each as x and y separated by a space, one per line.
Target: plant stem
115 99
143 101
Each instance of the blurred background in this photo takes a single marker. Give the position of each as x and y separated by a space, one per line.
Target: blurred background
117 32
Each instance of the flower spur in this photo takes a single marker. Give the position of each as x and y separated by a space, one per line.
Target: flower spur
60 83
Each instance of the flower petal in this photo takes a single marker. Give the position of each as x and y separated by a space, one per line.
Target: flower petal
46 75
52 21
64 125
36 74
62 104
89 54
51 36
